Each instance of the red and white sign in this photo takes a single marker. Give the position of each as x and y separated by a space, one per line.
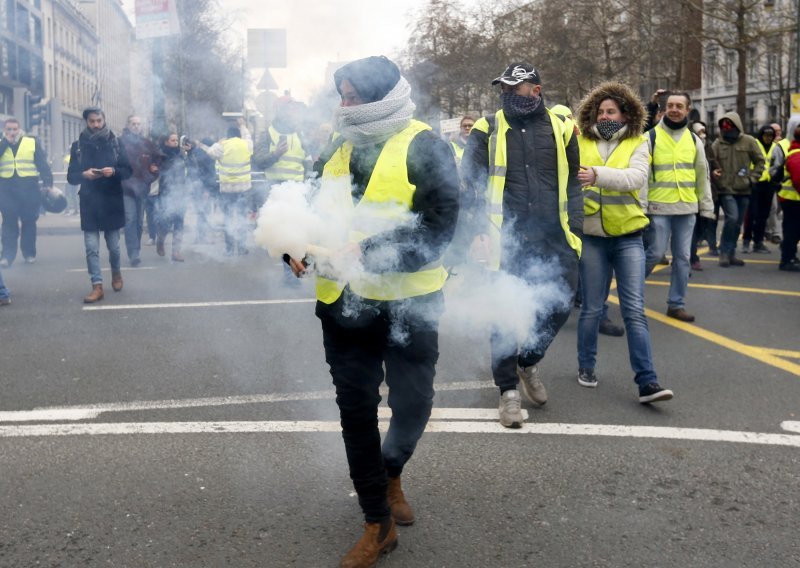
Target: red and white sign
156 18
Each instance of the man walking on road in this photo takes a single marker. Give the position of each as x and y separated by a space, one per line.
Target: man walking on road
679 187
523 165
98 164
741 165
143 156
22 162
382 323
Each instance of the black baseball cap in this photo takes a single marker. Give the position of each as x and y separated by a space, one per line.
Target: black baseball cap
518 72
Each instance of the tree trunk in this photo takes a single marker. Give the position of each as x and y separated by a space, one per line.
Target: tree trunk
741 64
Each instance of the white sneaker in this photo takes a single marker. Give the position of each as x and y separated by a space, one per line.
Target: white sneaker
511 409
531 385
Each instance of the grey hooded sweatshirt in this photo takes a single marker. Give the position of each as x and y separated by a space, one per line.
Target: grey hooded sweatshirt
741 162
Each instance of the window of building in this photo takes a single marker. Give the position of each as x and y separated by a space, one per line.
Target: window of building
37 31
750 121
23 25
25 75
752 64
711 123
730 67
8 15
772 113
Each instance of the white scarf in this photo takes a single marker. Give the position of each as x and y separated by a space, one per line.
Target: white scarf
373 123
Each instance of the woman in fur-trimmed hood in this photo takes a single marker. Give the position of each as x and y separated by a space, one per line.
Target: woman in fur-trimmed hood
614 168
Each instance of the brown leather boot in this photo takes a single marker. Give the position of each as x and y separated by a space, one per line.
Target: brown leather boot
378 538
402 513
116 281
96 294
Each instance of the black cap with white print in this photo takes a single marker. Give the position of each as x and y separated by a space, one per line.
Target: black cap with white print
516 73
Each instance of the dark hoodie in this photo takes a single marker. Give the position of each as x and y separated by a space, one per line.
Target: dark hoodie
736 158
775 164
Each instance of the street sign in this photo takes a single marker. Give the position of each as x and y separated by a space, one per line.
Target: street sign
266 48
267 82
156 18
795 103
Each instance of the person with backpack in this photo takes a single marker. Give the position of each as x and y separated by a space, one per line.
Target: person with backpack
98 163
678 189
522 163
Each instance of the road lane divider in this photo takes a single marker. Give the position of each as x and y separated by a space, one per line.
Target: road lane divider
730 288
113 307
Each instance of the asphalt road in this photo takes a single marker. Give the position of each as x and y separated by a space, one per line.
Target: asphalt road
193 425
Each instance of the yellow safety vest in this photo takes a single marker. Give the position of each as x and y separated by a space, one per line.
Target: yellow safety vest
498 162
234 167
458 150
385 203
787 180
618 212
22 163
767 157
673 166
290 166
789 192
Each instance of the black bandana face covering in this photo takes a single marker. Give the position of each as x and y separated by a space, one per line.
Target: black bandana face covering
517 106
607 128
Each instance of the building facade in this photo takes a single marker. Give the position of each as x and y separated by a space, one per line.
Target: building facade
21 57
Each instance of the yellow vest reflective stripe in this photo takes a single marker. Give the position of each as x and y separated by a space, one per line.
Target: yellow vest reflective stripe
787 179
385 204
618 212
498 167
673 166
789 193
22 163
234 167
290 166
767 158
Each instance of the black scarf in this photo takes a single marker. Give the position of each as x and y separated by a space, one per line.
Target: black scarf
607 128
517 106
676 125
95 136
730 135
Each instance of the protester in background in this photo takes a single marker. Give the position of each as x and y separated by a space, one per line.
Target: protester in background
741 164
656 107
233 154
458 143
678 190
773 230
70 192
22 162
99 164
457 252
763 192
383 323
705 228
523 163
143 156
615 163
202 179
790 202
172 196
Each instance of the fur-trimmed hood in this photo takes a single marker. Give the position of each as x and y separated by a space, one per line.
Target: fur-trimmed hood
624 96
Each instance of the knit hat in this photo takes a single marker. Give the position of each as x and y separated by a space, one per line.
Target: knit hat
372 77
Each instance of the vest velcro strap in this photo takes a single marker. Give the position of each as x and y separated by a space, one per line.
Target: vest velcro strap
499 171
678 166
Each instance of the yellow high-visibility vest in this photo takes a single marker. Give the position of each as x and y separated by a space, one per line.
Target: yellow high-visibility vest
234 167
22 163
290 166
767 157
498 166
458 150
788 192
618 212
386 203
787 180
673 167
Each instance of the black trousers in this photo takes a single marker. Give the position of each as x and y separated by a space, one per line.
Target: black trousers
506 352
366 342
755 222
791 230
19 206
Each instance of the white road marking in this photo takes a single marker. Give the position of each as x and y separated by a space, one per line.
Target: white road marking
88 411
791 426
196 305
125 268
316 426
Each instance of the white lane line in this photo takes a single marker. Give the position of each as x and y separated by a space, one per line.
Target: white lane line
125 268
88 411
311 426
791 426
196 305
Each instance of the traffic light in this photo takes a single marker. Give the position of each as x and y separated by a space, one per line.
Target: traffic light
36 110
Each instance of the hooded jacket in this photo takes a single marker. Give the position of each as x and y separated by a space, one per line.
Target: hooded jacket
634 177
735 159
775 164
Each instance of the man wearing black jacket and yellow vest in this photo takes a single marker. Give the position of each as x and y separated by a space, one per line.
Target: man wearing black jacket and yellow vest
404 203
523 165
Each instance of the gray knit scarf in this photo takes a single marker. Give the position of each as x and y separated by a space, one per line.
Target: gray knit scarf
374 123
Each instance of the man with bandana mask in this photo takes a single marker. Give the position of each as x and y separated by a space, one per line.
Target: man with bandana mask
523 163
397 181
741 164
678 189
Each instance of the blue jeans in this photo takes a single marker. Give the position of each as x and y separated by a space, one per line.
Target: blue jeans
4 293
134 223
625 257
681 228
734 207
150 209
91 240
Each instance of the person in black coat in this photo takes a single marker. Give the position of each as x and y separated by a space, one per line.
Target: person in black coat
98 164
172 197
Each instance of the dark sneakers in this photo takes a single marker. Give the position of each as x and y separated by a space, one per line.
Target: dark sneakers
791 266
607 327
761 249
587 378
653 392
680 314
